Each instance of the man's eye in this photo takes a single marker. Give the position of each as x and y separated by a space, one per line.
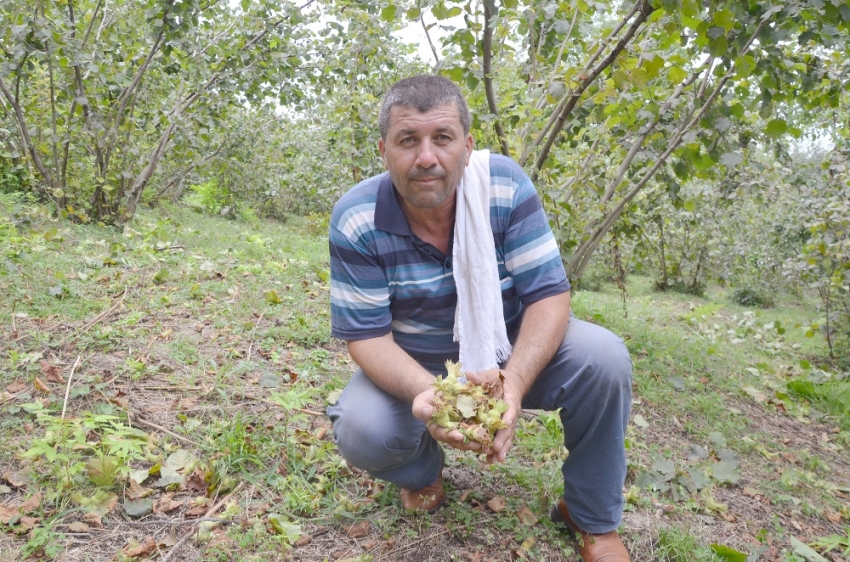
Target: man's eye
443 138
407 140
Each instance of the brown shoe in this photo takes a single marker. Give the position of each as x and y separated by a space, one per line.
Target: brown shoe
603 547
427 499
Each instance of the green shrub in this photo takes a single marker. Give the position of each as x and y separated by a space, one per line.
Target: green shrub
210 197
746 296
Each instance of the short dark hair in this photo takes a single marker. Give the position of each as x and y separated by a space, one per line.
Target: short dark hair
424 92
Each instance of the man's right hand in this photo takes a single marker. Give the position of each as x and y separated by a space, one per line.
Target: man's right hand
423 408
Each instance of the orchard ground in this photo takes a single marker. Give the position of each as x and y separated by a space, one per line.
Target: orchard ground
164 388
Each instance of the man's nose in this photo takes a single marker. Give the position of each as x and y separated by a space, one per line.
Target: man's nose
426 157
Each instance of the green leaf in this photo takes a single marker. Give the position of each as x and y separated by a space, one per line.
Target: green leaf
288 530
728 553
179 459
138 508
161 276
725 19
167 477
726 472
677 74
731 159
717 438
666 467
806 551
272 297
389 13
690 206
776 128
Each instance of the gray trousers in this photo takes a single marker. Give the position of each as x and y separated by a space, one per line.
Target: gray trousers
589 379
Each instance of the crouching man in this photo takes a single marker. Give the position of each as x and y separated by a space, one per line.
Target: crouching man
395 277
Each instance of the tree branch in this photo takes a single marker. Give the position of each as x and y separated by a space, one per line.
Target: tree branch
642 9
491 13
22 124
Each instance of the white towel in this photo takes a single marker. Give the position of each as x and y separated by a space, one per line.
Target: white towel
479 317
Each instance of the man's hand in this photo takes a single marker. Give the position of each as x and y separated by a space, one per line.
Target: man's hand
513 396
423 408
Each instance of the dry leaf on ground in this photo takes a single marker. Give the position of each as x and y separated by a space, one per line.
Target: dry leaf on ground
497 504
140 549
358 530
78 527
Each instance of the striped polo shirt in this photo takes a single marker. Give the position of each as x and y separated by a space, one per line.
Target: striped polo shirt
385 279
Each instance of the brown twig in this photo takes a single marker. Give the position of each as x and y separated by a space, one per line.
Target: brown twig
144 356
224 500
99 317
251 347
141 421
68 386
176 522
209 514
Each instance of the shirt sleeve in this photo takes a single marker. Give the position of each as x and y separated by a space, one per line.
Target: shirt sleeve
532 256
360 303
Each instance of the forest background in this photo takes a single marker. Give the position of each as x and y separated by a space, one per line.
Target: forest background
700 145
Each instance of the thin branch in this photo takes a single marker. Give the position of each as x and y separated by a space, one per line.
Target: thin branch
68 386
437 62
491 13
573 97
22 124
141 421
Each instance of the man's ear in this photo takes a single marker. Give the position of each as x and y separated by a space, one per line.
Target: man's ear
382 148
470 146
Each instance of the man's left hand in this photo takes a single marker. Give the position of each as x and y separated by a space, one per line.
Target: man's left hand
513 396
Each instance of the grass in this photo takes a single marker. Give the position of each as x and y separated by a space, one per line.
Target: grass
211 337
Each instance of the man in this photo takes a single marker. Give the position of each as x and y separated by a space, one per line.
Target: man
393 300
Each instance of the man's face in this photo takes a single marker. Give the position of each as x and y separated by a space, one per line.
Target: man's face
425 154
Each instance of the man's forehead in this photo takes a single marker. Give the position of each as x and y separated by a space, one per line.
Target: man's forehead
444 116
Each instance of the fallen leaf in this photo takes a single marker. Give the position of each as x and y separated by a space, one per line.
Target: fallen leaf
497 504
526 517
17 479
93 519
28 523
40 386
32 504
358 530
833 516
136 491
166 504
16 387
196 484
464 495
168 540
78 527
303 541
187 403
122 403
135 550
196 511
138 508
51 372
321 433
640 421
7 513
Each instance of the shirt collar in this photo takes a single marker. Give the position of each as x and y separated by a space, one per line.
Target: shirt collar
389 216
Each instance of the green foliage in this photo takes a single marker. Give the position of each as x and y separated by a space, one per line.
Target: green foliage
833 396
677 545
746 296
210 197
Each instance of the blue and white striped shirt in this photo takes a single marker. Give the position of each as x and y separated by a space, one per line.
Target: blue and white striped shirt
385 279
